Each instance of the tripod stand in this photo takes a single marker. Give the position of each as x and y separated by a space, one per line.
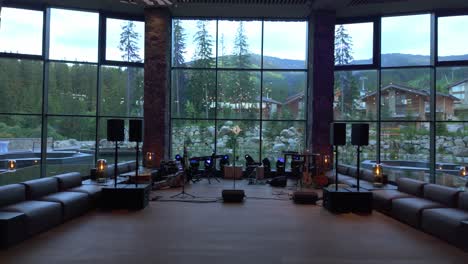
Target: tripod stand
183 194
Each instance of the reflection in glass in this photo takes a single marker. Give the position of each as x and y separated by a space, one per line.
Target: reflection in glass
404 150
20 139
78 40
404 46
197 135
284 95
239 44
122 91
405 94
21 31
452 38
193 93
354 43
72 88
70 144
285 45
279 136
452 83
20 86
125 40
238 94
355 95
194 43
451 152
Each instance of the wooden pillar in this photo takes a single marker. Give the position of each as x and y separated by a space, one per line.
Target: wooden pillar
157 76
321 79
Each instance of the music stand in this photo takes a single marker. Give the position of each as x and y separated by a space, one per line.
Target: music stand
183 193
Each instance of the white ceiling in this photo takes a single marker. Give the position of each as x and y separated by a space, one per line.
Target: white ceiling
260 8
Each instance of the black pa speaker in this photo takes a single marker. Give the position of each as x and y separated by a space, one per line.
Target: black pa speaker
360 134
338 134
233 196
135 133
115 130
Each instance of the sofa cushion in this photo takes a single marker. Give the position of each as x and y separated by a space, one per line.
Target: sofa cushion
444 223
40 215
343 169
41 187
73 203
352 171
93 191
367 175
110 171
409 210
122 167
69 180
463 200
13 193
441 194
132 165
410 186
382 199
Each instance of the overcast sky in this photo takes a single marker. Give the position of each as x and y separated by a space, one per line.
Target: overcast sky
74 36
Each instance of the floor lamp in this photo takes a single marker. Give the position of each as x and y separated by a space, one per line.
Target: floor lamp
115 132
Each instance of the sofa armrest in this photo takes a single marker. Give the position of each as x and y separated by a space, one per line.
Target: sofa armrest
462 241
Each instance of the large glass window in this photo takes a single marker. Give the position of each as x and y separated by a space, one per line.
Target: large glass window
73 35
194 43
125 40
71 143
21 31
72 88
20 86
20 140
452 38
355 95
452 93
354 43
121 91
238 43
406 94
402 45
284 45
241 87
75 77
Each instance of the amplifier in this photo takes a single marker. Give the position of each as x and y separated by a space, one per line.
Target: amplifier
125 196
233 196
347 200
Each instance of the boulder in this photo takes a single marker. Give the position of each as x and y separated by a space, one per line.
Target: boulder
224 130
279 147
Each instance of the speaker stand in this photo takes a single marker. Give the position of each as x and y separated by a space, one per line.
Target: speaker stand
137 164
115 163
358 161
336 168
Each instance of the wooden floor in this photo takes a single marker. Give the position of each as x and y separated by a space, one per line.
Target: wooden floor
261 230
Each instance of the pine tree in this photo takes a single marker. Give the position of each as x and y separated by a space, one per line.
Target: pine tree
244 88
201 82
129 47
178 60
343 46
129 42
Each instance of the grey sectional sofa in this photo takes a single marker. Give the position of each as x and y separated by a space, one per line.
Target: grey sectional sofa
34 206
